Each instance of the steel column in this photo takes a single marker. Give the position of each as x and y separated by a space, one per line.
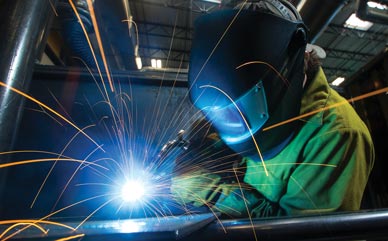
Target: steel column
23 27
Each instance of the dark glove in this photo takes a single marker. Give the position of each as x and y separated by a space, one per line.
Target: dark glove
207 171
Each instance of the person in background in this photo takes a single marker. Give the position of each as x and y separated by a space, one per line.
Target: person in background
276 138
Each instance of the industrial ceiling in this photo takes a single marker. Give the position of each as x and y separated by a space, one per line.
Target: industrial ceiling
163 29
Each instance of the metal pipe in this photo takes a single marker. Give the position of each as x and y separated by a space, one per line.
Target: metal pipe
369 225
23 26
318 15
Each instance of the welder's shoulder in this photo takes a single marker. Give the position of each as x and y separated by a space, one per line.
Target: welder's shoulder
340 115
333 111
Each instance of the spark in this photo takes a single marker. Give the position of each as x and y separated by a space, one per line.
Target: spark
71 237
99 41
219 41
96 210
23 224
52 169
72 176
49 109
28 223
246 205
24 162
89 43
266 64
42 220
364 96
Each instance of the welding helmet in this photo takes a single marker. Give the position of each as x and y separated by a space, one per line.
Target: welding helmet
246 73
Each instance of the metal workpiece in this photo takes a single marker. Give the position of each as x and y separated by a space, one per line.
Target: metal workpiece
24 26
360 225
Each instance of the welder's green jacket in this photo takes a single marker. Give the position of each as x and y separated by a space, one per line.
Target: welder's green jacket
324 168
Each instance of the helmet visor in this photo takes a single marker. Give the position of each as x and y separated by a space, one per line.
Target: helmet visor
241 118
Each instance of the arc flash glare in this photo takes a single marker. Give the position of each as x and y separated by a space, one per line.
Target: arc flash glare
133 191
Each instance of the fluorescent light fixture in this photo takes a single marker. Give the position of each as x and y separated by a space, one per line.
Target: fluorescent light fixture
139 64
213 1
377 5
338 81
153 63
158 64
356 23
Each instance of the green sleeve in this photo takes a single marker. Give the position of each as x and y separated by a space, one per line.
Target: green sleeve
333 175
204 188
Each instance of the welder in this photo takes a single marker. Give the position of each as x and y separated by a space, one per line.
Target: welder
276 139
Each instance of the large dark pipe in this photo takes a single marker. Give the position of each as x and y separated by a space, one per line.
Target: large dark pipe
357 225
361 225
317 15
23 26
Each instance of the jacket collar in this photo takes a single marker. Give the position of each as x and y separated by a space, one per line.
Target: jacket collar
315 97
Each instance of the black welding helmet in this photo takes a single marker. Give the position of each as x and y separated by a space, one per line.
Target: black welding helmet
246 73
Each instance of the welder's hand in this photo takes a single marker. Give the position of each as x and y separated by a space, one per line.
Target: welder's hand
207 172
203 188
206 151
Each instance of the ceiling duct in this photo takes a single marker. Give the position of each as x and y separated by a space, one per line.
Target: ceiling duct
115 36
73 33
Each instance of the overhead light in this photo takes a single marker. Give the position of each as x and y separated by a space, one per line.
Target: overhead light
138 62
338 81
213 1
377 5
356 23
156 63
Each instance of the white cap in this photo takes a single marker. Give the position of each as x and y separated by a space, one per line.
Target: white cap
318 50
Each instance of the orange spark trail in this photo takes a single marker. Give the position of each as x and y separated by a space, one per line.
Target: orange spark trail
364 96
71 237
246 205
29 223
23 224
72 176
17 163
50 215
219 41
52 169
51 110
268 65
99 41
89 43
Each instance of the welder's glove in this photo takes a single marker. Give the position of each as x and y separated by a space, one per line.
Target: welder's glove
202 188
210 174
